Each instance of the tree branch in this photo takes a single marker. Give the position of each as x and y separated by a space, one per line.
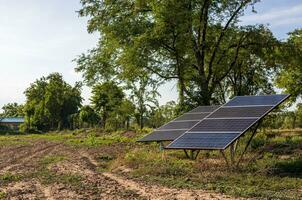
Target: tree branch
243 3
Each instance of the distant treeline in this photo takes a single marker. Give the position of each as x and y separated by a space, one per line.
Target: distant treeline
53 104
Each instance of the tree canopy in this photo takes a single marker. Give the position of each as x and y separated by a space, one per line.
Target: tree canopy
50 101
198 43
12 110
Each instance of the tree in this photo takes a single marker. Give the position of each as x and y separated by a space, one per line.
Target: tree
290 58
197 43
163 114
88 115
126 112
12 110
50 101
142 96
106 98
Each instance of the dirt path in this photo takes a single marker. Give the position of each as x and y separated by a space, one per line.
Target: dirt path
156 192
77 176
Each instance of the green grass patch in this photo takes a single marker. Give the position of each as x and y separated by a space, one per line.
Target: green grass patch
292 167
2 195
267 178
8 177
48 177
92 140
50 160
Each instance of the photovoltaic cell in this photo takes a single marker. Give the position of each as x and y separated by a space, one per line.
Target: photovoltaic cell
256 100
233 112
226 124
192 116
208 109
180 125
204 140
162 136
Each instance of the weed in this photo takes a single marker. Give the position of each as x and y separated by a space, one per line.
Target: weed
292 167
48 177
49 160
8 177
2 195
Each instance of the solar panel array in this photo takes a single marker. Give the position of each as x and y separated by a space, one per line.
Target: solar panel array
180 125
225 125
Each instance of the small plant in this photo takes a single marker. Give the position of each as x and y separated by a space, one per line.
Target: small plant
8 177
49 160
2 195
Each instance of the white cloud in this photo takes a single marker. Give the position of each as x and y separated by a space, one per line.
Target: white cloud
276 17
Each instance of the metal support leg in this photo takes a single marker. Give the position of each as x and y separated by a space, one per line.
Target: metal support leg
225 158
187 155
192 154
196 155
248 143
232 153
161 146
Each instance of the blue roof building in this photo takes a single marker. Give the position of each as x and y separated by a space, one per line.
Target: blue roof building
11 122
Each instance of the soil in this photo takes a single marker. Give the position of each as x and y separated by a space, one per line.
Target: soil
24 161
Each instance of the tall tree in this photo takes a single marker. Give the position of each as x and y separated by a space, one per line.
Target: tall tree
144 97
12 110
198 43
106 98
50 101
290 57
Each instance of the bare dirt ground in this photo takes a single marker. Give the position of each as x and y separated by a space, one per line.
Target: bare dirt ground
53 170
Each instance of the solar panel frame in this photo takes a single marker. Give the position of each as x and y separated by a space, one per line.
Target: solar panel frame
285 97
196 111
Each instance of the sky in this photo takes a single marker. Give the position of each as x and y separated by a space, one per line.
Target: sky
38 37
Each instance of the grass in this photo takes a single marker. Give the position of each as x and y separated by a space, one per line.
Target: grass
46 176
275 174
49 160
90 140
8 177
2 195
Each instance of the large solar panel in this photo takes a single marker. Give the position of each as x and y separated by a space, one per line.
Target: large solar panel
221 128
180 125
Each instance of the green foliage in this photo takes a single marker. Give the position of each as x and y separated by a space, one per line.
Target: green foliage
144 98
89 116
50 101
199 44
290 75
49 160
291 167
2 195
163 114
8 177
12 110
106 98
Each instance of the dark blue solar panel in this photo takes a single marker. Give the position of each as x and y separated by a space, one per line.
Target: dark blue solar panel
162 136
192 116
227 123
174 129
179 125
204 109
238 112
203 140
256 100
